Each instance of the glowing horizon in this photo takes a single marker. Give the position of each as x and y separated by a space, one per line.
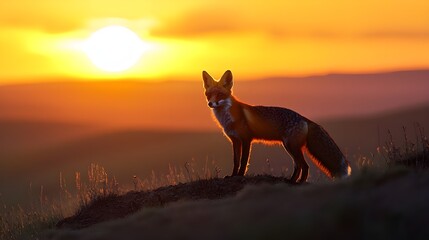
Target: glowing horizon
255 40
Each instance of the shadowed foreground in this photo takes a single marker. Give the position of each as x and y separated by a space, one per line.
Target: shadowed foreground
114 206
389 205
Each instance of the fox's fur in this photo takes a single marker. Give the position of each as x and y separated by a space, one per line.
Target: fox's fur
243 124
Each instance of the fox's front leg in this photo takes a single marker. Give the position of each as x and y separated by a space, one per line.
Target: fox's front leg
236 145
245 152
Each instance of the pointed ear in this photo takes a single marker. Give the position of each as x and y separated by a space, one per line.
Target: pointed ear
226 79
208 80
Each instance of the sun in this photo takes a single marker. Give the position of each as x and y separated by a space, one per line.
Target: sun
114 48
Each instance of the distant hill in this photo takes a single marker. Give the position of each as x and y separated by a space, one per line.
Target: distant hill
360 136
19 135
181 105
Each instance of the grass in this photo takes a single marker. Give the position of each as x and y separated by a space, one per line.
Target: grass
18 222
27 223
414 153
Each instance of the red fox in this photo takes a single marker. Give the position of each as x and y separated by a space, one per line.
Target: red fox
243 124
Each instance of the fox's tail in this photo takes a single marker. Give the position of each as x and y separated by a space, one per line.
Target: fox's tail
325 153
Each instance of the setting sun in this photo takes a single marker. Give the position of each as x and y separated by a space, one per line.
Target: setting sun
154 41
114 48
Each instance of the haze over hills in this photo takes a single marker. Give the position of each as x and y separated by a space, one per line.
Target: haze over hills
181 105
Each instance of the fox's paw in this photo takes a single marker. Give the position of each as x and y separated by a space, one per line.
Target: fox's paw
230 176
292 181
233 176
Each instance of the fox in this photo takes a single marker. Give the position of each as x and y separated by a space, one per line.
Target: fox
244 124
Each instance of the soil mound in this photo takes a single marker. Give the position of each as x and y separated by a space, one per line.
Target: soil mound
119 206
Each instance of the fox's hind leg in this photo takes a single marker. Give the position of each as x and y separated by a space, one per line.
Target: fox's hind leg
301 166
299 157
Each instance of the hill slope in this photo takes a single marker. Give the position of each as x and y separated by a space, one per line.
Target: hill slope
99 210
390 205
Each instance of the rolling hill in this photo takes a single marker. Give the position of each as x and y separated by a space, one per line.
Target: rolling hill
181 104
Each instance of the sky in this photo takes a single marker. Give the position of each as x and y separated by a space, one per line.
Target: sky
43 39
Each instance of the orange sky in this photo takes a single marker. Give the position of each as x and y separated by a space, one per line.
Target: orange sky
40 39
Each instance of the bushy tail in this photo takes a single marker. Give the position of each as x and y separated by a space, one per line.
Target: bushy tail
325 153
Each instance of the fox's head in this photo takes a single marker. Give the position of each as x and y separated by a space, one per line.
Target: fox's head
218 93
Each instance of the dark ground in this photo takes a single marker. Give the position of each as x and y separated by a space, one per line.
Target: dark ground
372 204
119 206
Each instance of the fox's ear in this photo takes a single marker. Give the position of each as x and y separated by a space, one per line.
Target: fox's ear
226 79
208 80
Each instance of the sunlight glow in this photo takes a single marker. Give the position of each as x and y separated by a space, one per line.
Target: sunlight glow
157 42
114 48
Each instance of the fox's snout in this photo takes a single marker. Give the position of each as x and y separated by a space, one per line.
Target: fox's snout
215 104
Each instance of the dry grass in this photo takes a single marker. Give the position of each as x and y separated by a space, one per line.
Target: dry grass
410 150
175 175
17 222
413 152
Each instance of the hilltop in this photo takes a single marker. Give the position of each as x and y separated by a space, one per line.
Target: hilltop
386 205
118 206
